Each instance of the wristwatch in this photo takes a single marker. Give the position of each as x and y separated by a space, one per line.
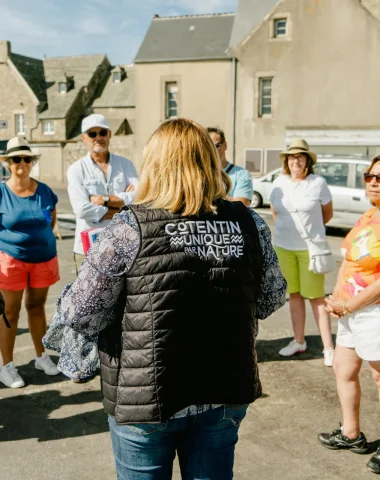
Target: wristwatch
106 199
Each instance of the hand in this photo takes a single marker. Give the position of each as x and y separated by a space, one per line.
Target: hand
97 199
335 306
130 188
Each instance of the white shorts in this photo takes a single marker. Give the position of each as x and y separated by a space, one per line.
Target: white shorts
361 331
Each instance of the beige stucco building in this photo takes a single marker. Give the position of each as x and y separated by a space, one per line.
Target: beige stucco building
46 100
308 69
182 70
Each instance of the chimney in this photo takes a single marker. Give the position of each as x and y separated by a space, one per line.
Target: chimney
156 15
373 6
5 50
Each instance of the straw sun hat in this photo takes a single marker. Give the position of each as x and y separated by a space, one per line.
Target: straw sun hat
19 146
299 146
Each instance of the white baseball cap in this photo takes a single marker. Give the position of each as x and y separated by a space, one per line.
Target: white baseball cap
94 120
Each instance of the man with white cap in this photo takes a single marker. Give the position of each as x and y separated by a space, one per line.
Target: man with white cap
100 183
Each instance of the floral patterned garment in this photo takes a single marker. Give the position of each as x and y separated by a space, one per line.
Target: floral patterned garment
86 306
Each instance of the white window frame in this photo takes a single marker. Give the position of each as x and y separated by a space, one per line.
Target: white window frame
63 90
276 32
273 35
20 123
264 95
171 88
48 127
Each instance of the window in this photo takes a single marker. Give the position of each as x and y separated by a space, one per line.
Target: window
20 124
62 86
116 77
335 174
360 168
48 127
171 100
279 27
265 100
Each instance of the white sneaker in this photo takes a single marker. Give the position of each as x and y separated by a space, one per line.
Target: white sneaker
46 364
328 353
10 377
292 348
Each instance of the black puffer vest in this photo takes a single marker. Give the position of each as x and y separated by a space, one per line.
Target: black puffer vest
187 329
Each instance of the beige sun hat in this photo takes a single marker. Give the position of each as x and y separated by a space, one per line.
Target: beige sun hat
19 146
299 146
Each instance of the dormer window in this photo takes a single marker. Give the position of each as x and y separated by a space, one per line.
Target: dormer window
62 87
280 27
116 77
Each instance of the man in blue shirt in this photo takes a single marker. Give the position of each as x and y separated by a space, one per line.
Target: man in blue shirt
242 188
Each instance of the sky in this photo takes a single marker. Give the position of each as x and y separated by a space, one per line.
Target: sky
52 28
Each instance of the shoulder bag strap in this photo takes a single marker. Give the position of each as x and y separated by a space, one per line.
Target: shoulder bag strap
300 226
229 168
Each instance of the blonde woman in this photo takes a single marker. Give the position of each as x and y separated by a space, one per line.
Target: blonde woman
175 285
300 195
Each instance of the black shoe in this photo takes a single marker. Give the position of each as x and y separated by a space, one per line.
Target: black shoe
374 462
336 441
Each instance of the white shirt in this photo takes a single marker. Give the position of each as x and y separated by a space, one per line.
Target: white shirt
85 178
307 197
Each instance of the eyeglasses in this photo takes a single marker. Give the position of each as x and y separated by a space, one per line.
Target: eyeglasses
102 133
18 160
217 145
369 176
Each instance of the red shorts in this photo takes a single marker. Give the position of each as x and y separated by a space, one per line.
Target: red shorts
18 275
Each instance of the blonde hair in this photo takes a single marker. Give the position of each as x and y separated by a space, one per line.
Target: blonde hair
181 170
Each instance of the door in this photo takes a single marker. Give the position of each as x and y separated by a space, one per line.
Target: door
336 176
358 200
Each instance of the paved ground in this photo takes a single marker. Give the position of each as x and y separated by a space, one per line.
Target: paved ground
56 429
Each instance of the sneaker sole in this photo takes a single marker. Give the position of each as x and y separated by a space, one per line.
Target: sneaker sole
359 451
291 354
46 373
374 469
17 385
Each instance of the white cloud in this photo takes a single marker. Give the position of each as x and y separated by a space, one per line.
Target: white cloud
205 6
92 25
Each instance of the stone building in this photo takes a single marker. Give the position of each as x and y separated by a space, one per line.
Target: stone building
45 101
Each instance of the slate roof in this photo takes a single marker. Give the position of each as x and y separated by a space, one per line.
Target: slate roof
201 37
113 95
81 68
249 15
32 70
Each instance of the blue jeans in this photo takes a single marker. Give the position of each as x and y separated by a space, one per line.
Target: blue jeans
205 445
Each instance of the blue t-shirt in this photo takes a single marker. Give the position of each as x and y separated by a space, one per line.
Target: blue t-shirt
241 182
25 224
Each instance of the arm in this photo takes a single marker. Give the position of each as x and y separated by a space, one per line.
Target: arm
272 294
366 297
53 218
80 198
243 189
246 201
274 214
92 302
327 212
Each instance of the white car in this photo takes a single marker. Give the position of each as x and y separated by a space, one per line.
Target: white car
344 176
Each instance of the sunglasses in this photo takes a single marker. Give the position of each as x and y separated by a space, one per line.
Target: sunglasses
102 133
18 160
217 145
369 176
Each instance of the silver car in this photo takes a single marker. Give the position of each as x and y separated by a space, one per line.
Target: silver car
344 176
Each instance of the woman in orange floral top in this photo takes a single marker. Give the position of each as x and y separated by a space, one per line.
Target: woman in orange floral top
356 302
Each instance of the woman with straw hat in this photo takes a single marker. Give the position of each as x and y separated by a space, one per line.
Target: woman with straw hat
28 257
301 196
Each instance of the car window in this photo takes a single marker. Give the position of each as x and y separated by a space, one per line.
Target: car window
335 174
272 178
360 168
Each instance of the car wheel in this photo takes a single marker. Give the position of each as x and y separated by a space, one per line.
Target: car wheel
257 200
